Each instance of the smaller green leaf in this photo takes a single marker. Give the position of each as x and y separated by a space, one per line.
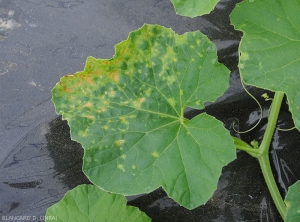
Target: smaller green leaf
193 8
292 201
89 203
269 49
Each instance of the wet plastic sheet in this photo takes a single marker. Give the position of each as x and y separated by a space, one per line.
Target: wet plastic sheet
41 41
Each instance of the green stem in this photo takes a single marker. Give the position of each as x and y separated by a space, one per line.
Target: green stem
242 145
262 153
263 159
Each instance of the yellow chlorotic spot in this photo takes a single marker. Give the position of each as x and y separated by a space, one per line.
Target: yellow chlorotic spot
123 156
122 119
105 127
121 167
241 66
198 42
82 133
88 105
172 101
112 93
119 142
155 154
181 92
298 107
133 167
170 80
244 56
90 117
137 103
175 59
148 92
170 50
72 97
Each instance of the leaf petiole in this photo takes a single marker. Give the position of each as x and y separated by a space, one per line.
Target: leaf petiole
242 145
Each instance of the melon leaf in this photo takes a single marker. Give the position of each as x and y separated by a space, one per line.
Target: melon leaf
128 114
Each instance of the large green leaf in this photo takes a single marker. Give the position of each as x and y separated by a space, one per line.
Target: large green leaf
89 203
270 47
127 112
193 8
292 201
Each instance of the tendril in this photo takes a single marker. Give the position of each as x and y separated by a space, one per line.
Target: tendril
260 108
285 130
266 97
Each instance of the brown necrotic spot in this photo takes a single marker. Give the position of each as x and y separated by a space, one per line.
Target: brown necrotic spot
66 89
89 80
88 105
120 142
113 76
90 117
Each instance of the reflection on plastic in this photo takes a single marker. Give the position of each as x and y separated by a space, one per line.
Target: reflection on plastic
39 170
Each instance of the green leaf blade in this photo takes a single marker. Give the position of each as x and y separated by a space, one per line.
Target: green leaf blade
127 112
292 201
269 49
89 203
193 8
